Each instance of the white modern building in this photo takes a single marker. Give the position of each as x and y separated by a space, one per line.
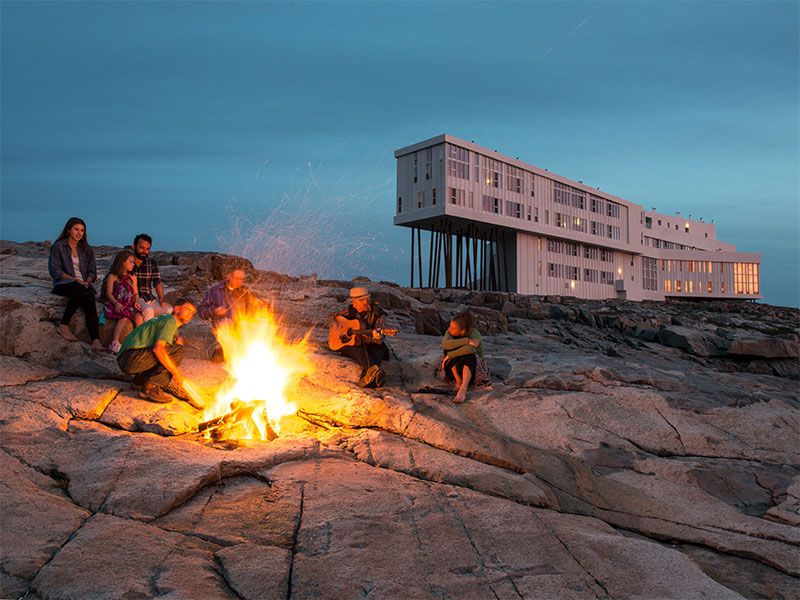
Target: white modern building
493 222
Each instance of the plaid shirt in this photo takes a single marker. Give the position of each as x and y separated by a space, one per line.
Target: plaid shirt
147 277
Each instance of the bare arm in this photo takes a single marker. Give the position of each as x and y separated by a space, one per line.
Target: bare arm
160 350
110 288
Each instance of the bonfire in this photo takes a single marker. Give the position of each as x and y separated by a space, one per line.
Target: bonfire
261 363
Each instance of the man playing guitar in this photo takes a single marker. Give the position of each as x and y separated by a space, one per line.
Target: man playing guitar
357 332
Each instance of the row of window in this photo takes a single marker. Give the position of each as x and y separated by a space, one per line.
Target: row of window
571 273
573 249
692 266
689 287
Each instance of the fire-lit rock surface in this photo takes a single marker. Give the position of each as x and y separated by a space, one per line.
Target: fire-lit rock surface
623 451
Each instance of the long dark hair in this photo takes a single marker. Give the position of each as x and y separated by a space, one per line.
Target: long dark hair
464 321
119 259
83 242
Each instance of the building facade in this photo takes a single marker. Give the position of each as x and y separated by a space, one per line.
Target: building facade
493 222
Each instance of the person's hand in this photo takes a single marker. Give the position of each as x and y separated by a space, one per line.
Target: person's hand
376 335
178 340
220 311
137 305
166 306
474 343
118 306
84 283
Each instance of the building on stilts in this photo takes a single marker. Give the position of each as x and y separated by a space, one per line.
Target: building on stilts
484 221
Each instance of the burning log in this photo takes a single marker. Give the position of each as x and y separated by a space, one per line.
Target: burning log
240 414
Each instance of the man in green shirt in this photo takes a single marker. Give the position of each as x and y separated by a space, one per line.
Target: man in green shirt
153 351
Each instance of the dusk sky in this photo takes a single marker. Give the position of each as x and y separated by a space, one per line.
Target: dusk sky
268 129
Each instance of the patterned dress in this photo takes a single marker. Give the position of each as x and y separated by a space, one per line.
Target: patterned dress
123 292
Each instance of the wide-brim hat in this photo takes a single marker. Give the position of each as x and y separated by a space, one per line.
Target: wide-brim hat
358 292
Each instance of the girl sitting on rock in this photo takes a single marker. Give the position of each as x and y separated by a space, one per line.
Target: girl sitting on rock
122 296
73 269
463 362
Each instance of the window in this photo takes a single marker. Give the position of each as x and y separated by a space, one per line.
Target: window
648 223
596 205
399 204
578 224
433 197
677 285
745 278
536 214
415 167
533 180
649 273
590 252
612 210
491 172
514 209
513 179
710 288
612 231
457 162
471 203
420 199
607 255
457 196
492 205
428 160
590 275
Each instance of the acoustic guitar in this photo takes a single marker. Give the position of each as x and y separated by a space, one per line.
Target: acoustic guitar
345 332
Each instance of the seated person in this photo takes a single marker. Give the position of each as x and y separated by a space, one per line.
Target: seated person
122 296
153 351
368 350
230 295
224 300
148 278
463 362
73 269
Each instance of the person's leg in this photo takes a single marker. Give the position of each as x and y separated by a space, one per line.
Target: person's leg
158 374
158 308
358 354
147 311
466 377
118 326
375 356
89 306
73 291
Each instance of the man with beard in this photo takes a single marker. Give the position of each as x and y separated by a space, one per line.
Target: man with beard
153 352
148 279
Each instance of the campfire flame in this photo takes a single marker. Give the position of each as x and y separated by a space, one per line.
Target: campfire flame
260 363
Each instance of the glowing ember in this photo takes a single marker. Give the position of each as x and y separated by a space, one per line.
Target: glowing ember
260 364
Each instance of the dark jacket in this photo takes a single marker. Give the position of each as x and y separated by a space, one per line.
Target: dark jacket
374 318
60 262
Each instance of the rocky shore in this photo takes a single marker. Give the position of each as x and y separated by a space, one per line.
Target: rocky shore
624 450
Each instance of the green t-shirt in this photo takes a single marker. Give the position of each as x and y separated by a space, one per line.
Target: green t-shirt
148 333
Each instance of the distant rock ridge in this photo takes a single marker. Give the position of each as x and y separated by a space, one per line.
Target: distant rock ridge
623 450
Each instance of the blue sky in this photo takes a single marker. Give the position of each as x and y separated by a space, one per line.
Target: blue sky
268 128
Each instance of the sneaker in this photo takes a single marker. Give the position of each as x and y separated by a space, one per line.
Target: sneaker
380 378
369 376
153 393
114 347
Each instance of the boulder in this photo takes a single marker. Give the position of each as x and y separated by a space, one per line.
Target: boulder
693 341
766 348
